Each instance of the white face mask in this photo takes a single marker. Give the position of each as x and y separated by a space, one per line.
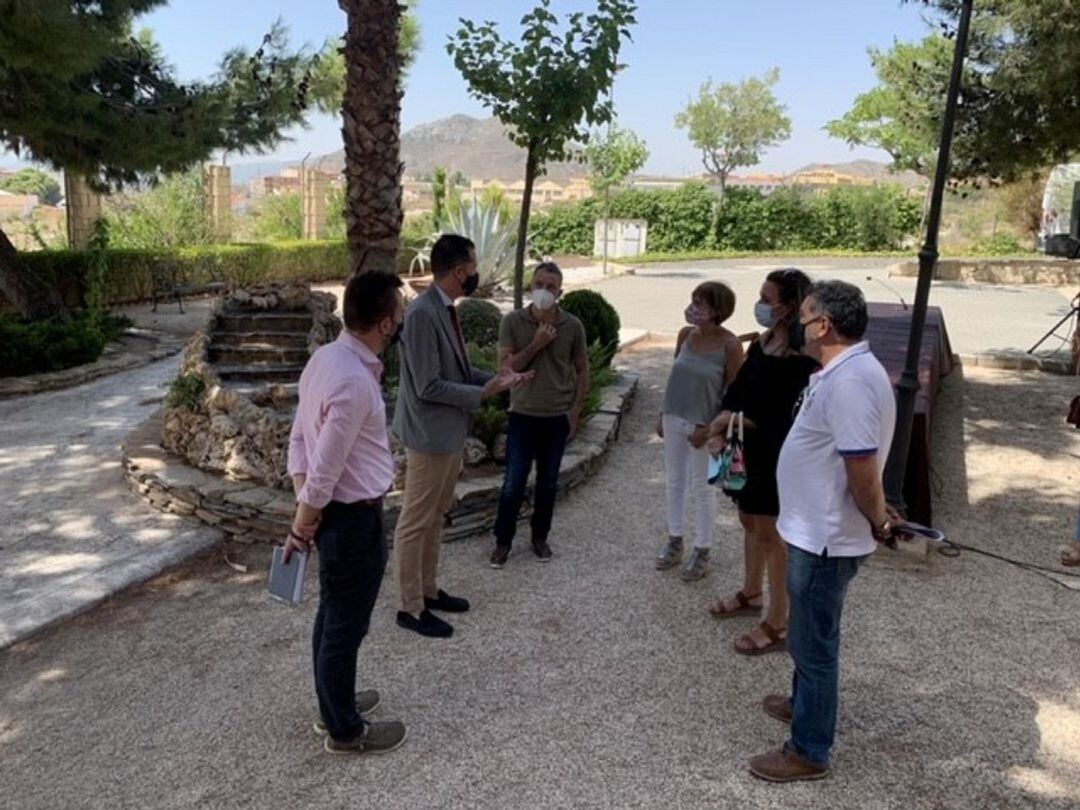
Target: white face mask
542 299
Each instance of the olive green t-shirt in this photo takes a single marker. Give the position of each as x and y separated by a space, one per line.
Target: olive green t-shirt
551 391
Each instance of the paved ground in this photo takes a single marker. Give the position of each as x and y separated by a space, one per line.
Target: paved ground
979 317
594 681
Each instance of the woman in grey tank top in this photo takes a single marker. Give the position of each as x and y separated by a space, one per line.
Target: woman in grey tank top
707 357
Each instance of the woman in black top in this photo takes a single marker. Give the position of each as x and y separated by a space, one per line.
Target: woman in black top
766 391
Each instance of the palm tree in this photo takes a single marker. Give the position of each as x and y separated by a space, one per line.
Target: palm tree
371 130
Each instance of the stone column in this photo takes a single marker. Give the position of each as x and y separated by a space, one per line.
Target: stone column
83 210
217 197
314 188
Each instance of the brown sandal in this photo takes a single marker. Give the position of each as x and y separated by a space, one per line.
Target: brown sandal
719 611
745 645
1070 557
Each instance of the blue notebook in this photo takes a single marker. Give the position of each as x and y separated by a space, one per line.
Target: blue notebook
287 580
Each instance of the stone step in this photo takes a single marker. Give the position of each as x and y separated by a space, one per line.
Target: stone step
283 373
247 389
256 354
264 322
289 340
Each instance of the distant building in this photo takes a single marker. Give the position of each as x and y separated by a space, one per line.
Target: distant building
825 177
545 192
287 181
764 183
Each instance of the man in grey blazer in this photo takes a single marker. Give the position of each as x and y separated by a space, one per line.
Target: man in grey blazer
437 394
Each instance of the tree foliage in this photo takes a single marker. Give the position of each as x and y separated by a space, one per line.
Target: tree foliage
613 157
902 115
548 85
169 214
1020 94
33 181
733 123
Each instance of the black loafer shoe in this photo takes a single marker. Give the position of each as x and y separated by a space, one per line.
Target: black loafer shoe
447 603
428 624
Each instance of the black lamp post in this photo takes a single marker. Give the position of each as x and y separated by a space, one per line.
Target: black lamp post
908 386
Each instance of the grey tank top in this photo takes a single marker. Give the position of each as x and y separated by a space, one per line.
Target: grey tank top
695 385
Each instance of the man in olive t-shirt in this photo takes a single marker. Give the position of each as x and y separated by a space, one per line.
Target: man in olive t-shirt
545 411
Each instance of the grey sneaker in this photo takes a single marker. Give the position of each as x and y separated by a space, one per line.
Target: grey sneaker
697 565
670 554
376 738
367 700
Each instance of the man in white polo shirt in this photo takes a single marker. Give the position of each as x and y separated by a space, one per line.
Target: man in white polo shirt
832 513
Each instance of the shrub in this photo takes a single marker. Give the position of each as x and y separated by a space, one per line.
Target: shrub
40 346
480 321
130 273
600 319
1000 244
489 422
186 391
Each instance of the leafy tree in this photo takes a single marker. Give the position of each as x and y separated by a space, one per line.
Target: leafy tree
79 92
170 214
902 115
546 86
33 181
279 218
732 124
612 158
1020 93
438 195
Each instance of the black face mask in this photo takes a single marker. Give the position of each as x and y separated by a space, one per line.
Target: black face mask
796 336
469 285
394 338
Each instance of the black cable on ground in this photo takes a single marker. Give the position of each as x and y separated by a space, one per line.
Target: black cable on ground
949 548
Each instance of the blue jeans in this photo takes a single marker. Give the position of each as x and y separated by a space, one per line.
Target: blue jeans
352 559
531 438
816 588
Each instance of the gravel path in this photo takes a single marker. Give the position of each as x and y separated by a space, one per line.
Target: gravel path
594 681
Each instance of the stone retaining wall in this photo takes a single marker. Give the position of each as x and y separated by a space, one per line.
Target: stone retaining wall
1042 270
249 512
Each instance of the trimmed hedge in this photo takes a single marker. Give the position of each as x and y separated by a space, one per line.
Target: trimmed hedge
480 321
130 272
600 319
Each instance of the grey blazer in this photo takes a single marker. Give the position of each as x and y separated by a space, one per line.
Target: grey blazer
438 389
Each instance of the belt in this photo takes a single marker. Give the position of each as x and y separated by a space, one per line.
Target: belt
374 502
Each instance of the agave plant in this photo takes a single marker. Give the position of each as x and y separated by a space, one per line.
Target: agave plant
494 239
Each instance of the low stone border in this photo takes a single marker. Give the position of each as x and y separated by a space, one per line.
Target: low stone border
248 512
1048 270
135 348
1019 361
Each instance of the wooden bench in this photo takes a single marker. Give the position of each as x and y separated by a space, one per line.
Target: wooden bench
171 281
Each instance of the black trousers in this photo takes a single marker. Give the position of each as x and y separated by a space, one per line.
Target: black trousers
352 559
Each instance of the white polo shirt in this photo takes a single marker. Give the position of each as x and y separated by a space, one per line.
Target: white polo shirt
848 410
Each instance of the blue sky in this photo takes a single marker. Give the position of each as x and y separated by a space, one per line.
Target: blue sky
820 48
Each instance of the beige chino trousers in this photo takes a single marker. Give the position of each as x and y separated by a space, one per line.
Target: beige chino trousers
429 494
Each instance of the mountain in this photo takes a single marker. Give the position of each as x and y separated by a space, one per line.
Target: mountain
478 148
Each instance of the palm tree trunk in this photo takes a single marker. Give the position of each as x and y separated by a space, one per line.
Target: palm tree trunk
523 229
371 130
33 297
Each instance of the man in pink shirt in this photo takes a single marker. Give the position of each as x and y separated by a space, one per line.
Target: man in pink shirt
340 462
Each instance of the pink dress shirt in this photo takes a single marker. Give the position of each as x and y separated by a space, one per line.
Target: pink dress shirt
339 438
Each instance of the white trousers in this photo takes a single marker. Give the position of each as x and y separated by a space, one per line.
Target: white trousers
687 471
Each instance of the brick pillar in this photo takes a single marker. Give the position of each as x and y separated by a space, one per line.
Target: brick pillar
314 188
83 210
217 197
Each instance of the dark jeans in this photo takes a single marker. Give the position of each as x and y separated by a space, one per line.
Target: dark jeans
352 559
816 588
531 438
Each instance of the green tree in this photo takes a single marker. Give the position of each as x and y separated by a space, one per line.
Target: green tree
80 92
1020 90
33 181
902 115
732 124
438 195
612 158
170 214
547 86
278 218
